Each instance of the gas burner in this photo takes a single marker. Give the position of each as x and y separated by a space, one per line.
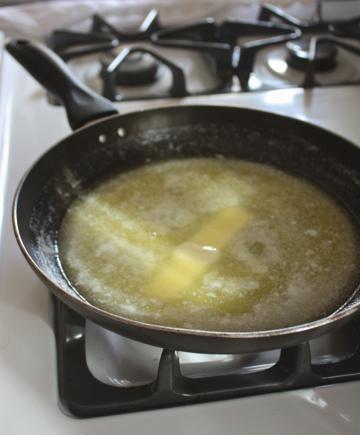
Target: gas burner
317 52
125 69
299 55
128 72
137 70
274 71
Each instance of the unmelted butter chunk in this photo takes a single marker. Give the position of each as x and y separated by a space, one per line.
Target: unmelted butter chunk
190 260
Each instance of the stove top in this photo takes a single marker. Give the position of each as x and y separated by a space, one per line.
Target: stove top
272 50
28 360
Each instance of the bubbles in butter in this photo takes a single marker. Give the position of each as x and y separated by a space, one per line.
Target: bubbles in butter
296 258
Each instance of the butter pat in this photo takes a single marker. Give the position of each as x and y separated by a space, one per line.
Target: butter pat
190 260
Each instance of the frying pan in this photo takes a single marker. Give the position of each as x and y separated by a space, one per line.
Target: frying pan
105 142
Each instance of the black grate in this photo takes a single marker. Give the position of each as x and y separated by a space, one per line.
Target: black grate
220 42
102 36
230 49
83 396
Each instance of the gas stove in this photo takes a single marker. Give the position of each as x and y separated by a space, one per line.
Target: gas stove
88 371
272 50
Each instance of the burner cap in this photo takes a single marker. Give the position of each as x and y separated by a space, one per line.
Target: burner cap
298 55
138 69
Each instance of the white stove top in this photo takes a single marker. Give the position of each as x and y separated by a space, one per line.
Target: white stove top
28 398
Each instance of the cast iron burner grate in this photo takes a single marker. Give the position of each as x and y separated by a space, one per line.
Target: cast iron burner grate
230 50
83 396
220 42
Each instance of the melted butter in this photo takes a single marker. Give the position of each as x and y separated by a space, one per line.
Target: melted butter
210 244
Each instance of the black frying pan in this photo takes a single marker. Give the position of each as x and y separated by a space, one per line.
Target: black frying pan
118 143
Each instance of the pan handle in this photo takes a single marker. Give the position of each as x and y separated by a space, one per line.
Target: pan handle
81 103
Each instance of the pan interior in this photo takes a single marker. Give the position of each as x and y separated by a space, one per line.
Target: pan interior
93 154
210 244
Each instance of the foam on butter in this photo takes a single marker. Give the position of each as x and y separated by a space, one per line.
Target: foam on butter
213 244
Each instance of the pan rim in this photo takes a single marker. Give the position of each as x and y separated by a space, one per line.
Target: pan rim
337 315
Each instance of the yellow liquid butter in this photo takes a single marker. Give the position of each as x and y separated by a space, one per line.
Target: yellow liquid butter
210 244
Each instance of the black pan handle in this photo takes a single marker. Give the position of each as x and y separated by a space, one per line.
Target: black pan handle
81 103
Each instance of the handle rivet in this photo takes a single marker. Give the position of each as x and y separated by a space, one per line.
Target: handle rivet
102 138
121 132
